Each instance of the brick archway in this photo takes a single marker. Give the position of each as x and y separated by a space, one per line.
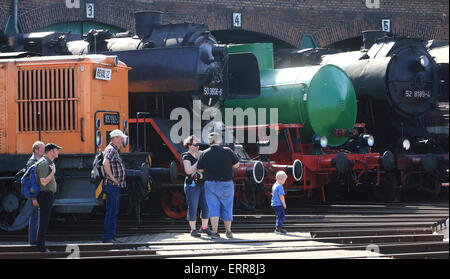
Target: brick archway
58 12
288 22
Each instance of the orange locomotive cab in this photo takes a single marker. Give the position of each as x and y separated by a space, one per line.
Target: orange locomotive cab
73 101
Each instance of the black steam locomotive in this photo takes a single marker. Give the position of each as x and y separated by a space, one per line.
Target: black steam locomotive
174 59
172 66
397 83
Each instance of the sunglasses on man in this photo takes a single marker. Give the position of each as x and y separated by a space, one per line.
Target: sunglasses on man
196 144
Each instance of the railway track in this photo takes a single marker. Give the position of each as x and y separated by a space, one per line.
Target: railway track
319 231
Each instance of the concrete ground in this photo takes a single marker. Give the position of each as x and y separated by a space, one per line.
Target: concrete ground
238 244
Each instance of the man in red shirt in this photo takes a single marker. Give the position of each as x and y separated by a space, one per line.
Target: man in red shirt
114 180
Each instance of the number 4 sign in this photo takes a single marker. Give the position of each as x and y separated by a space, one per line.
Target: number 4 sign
237 20
386 25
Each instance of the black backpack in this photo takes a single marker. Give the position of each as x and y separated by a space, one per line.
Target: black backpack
98 171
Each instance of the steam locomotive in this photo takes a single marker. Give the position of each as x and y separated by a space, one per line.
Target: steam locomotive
397 83
316 115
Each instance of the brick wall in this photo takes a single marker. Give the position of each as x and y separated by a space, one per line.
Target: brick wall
329 21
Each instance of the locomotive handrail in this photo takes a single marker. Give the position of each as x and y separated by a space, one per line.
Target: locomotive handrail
82 128
145 129
284 84
270 126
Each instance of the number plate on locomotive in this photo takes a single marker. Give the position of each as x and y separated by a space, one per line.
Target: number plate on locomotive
417 93
212 91
111 119
103 74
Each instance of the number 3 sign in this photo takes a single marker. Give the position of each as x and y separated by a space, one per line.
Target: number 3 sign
89 10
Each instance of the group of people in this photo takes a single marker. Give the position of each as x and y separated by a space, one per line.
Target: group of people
43 156
208 185
215 195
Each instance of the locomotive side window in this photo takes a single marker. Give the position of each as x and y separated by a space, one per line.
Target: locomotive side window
50 92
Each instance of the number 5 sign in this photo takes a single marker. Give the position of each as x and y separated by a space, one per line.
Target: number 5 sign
237 20
386 25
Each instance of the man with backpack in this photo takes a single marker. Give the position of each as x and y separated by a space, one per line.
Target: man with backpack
38 152
114 180
45 175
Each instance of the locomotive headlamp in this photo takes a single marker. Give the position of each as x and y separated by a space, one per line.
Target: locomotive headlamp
125 124
424 61
367 140
319 142
126 140
98 138
323 142
98 123
406 144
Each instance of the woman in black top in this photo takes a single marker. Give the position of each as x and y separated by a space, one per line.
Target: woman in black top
195 194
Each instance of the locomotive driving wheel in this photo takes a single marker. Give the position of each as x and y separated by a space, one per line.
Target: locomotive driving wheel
173 203
14 211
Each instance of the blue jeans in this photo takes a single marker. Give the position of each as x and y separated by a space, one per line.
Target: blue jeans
220 196
195 196
33 226
112 211
279 211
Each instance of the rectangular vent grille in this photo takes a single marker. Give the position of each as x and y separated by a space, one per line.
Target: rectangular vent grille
50 92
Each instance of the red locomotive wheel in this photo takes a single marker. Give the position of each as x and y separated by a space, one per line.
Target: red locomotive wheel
173 202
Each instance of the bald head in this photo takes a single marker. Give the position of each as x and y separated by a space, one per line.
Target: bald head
38 148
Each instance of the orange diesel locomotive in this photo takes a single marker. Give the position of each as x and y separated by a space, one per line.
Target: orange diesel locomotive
74 101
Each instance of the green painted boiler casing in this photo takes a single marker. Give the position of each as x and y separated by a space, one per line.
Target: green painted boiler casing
319 97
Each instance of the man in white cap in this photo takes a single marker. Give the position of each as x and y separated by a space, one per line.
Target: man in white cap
114 180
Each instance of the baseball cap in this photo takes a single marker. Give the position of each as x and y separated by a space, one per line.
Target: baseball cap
117 133
213 137
49 146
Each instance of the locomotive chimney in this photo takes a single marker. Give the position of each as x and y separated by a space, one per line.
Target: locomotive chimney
145 21
370 36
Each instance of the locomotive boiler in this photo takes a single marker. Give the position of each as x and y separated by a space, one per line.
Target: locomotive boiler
175 59
397 82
